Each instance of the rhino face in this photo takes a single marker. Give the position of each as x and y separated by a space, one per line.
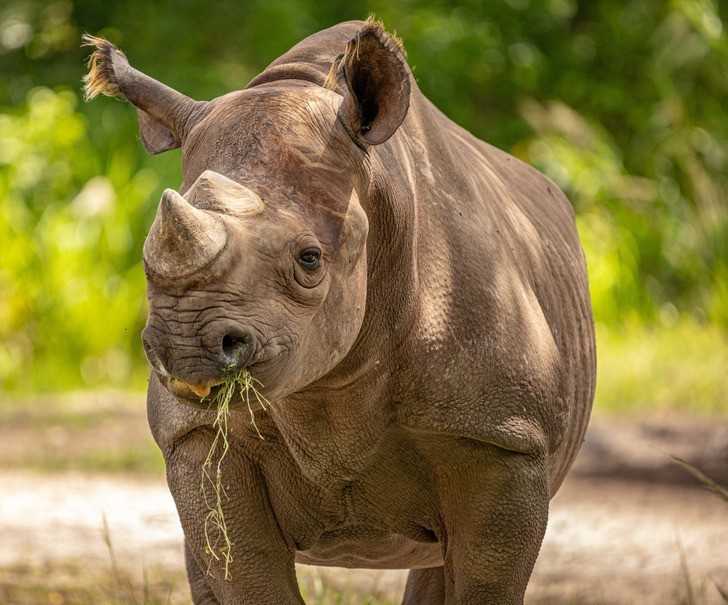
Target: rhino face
259 261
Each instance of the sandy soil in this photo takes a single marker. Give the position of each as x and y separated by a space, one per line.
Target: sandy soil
608 541
617 529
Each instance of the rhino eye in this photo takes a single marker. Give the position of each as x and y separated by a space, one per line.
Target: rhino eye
310 258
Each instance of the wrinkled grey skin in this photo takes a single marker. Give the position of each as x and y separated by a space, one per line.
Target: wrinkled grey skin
430 381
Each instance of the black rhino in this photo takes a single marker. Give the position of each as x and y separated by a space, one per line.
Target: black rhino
414 301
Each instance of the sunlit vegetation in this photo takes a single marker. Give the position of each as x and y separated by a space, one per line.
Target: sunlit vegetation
622 104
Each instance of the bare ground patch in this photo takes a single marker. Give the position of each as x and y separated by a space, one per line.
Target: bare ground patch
98 431
608 541
616 531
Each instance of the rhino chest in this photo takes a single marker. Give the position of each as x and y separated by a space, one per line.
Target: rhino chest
367 524
338 517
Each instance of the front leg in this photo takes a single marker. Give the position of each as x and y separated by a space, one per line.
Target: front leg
425 587
262 568
199 583
495 508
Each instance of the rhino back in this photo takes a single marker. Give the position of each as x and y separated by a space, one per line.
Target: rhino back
310 59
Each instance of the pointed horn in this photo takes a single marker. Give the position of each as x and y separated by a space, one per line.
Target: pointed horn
110 74
183 239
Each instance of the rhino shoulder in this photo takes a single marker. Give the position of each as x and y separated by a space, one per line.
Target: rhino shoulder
493 374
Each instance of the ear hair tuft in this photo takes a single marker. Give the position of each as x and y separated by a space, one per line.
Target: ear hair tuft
377 25
371 26
100 78
332 76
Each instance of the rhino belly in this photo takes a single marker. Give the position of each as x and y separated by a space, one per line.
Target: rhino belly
356 548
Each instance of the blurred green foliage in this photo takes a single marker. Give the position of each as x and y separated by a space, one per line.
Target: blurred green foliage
70 281
622 103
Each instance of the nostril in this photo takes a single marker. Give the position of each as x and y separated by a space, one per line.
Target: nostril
237 347
233 343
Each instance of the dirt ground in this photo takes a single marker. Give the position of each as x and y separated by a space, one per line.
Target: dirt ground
628 526
608 541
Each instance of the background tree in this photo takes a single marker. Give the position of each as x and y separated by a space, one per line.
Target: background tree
622 103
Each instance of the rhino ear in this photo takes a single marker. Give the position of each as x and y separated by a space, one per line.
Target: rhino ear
165 115
377 93
155 136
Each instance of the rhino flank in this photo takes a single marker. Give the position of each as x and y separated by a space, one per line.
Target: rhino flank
414 301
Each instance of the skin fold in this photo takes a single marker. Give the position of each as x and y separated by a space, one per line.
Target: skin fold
413 301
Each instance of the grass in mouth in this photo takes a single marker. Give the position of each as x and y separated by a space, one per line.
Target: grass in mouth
217 540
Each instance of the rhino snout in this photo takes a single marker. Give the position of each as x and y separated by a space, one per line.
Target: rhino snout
229 349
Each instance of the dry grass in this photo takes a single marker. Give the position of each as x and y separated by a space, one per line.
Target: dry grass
95 581
77 583
721 492
217 540
708 483
722 591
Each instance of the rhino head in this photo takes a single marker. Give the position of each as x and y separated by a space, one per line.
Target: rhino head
259 260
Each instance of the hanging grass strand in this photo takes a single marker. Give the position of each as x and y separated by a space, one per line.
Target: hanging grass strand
218 547
247 384
217 540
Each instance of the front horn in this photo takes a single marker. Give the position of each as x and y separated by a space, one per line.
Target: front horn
183 239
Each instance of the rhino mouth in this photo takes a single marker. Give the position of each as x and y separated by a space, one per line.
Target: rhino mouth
203 396
196 395
199 397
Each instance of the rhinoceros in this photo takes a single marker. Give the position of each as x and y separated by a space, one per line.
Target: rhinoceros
413 301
